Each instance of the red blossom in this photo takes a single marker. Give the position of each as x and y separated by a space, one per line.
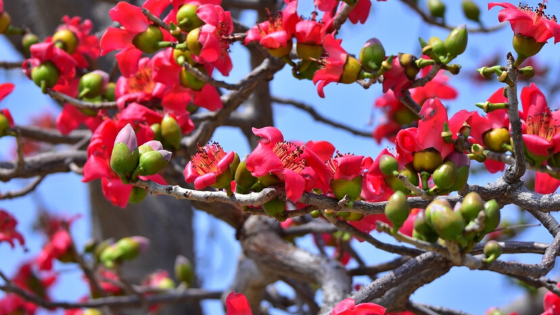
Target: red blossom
277 31
207 165
48 52
349 307
8 231
88 44
139 87
551 303
359 13
528 22
237 304
333 64
177 4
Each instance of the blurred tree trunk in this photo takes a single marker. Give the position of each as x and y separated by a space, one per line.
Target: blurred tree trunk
165 221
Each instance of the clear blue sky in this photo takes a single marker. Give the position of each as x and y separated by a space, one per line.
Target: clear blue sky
398 29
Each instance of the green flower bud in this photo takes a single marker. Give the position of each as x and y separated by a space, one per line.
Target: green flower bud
243 178
404 116
351 71
462 178
150 146
187 19
434 205
438 47
315 214
445 175
45 75
125 155
309 51
269 180
156 128
526 46
92 84
421 225
437 8
397 209
184 270
129 248
29 40
426 160
352 216
342 187
448 224
5 21
152 162
190 81
471 206
305 71
274 207
493 216
432 238
388 164
192 42
109 256
66 40
110 92
281 51
492 250
456 41
4 124
397 185
100 248
494 139
171 132
372 55
148 40
471 10
137 195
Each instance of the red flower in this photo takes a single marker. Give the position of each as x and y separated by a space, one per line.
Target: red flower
359 13
348 166
88 44
140 87
134 23
276 33
177 4
72 117
8 231
527 22
58 246
207 165
333 64
136 113
167 71
551 304
349 307
237 304
48 52
428 134
310 32
495 120
283 159
396 78
6 89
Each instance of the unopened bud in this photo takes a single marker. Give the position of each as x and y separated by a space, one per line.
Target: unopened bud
456 41
342 187
171 132
448 224
190 81
445 175
92 84
6 121
470 207
45 75
148 40
5 22
110 92
29 40
492 250
471 10
125 155
274 208
438 47
351 70
408 62
187 19
66 40
152 162
184 270
397 210
527 72
130 247
388 165
156 128
137 195
152 145
493 216
372 55
437 8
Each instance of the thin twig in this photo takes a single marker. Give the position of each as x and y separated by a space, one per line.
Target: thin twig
23 191
81 104
9 65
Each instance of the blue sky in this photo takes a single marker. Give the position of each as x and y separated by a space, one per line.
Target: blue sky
398 29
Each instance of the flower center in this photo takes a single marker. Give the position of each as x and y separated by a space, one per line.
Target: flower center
536 13
542 125
275 24
141 81
334 166
290 155
206 158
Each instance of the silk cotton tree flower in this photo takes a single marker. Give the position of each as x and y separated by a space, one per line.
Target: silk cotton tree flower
185 13
140 87
349 307
8 231
336 66
74 37
49 66
237 304
211 166
276 33
532 28
136 36
359 13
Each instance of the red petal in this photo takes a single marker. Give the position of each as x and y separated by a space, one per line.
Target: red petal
546 184
208 98
128 61
369 308
208 14
211 48
115 191
344 305
5 89
205 180
275 40
537 145
138 113
176 99
156 7
494 166
533 101
262 161
237 304
271 135
130 17
430 127
116 39
69 119
295 184
95 168
323 149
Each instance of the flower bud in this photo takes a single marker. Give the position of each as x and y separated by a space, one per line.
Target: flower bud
148 40
152 145
526 46
190 81
448 224
434 205
463 163
171 132
495 139
156 128
66 40
445 175
438 47
309 51
426 160
352 216
432 238
342 187
372 55
528 72
152 162
351 71
109 256
493 216
45 75
456 41
471 10
5 22
110 92
192 42
91 311
492 250
187 19
184 270
5 122
437 8
90 245
129 248
274 208
281 51
29 40
183 56
100 248
125 155
243 178
397 210
315 214
471 206
388 164
408 62
92 84
269 180
137 195
423 229
396 184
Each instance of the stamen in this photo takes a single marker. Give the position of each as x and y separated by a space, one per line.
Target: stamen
206 158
